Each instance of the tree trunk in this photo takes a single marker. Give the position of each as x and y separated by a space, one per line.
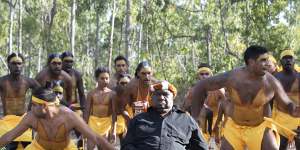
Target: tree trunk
49 19
39 60
112 35
140 40
73 26
207 40
193 55
11 23
20 26
127 28
140 30
97 50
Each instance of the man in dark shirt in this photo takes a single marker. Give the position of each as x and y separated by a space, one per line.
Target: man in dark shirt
163 126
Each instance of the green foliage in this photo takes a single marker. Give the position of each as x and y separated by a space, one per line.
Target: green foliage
176 34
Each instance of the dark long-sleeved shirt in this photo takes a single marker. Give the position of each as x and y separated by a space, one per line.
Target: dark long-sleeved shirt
175 131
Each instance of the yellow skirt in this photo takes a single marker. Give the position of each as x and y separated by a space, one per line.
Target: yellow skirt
129 109
121 125
287 122
241 136
36 146
11 121
100 126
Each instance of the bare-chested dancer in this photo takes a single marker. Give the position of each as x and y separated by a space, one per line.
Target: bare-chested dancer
250 88
137 92
53 71
13 89
118 126
98 105
52 124
289 79
78 97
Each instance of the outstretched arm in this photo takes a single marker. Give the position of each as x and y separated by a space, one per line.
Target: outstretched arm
17 131
202 87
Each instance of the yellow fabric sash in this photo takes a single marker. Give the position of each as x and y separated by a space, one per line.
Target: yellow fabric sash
287 53
101 126
36 146
16 59
121 125
11 121
40 101
58 89
56 59
68 58
205 69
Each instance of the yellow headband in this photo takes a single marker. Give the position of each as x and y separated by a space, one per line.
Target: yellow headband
272 59
40 101
16 59
56 59
205 69
58 89
68 58
287 53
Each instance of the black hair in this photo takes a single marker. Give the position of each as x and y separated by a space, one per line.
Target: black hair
13 55
253 52
45 94
203 65
140 66
120 57
66 54
100 70
52 56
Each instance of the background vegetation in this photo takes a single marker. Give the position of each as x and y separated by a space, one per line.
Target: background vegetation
174 35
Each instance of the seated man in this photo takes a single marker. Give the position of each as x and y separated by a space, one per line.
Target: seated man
163 126
52 124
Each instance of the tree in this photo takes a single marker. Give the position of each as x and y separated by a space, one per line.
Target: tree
73 26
